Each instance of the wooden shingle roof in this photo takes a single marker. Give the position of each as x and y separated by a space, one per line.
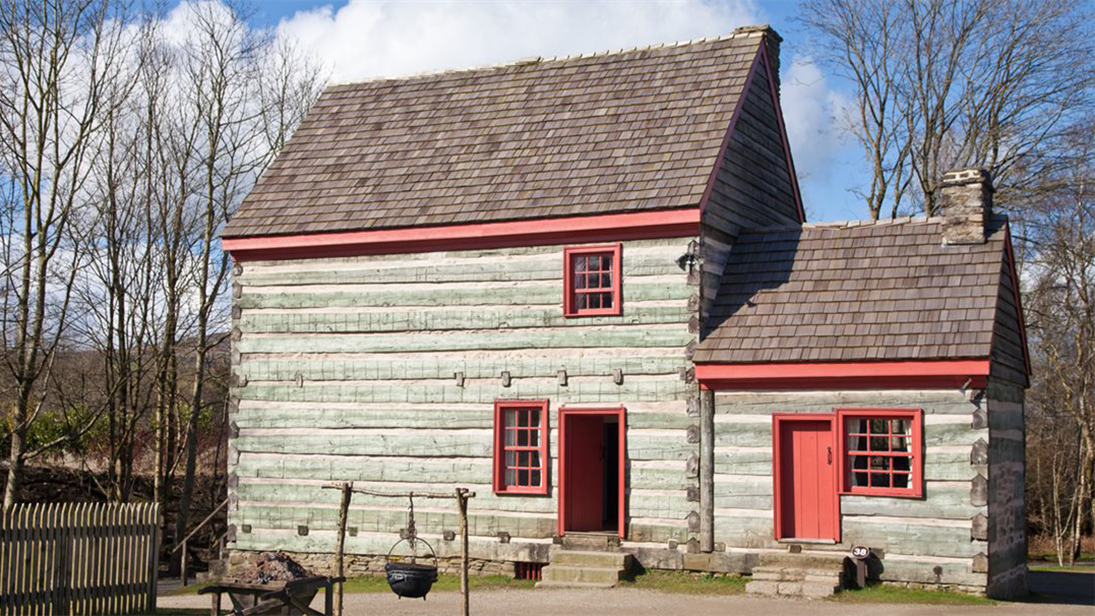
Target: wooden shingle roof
862 292
634 130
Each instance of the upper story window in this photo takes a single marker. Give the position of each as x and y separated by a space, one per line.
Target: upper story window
591 281
520 447
881 451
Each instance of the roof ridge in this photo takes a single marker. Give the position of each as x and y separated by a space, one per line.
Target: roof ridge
755 31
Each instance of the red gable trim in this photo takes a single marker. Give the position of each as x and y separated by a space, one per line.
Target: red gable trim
845 375
539 232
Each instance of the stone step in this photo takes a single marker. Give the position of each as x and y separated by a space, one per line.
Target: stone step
599 542
810 590
614 560
800 561
568 574
549 584
792 574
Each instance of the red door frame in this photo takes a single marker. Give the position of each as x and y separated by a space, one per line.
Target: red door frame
778 419
621 415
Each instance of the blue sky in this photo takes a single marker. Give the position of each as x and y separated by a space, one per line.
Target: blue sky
365 38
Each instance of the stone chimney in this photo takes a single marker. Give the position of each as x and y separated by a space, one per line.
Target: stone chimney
772 39
965 204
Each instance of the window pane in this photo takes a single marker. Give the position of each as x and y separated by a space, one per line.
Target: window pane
878 426
534 418
902 464
511 437
899 443
581 281
579 264
522 459
511 418
534 459
606 300
880 480
522 478
878 443
900 426
581 301
522 438
511 459
606 281
522 418
511 477
594 263
534 438
536 478
880 463
594 300
900 480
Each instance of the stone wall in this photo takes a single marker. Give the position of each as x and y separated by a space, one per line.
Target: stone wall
360 565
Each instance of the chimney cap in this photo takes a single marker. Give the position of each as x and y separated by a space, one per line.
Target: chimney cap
761 28
966 176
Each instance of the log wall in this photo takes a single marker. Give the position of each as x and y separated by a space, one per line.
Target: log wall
383 370
937 539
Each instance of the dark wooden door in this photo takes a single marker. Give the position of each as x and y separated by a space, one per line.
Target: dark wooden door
808 498
585 473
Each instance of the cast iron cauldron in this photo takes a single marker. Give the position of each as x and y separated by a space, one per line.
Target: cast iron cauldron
410 579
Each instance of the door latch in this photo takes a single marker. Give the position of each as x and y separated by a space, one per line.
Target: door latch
830 452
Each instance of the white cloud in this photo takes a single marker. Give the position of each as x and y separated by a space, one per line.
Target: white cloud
386 37
810 112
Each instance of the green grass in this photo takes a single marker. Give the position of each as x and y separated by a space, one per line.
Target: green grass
878 593
687 583
1082 567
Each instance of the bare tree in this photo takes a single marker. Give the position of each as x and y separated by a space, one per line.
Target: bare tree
58 61
941 84
1061 311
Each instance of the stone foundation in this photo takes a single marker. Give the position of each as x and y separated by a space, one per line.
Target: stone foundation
360 565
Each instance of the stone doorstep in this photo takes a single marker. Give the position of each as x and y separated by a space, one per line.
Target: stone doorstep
799 561
598 542
614 560
810 590
582 574
797 575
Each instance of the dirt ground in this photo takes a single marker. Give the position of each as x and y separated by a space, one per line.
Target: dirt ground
631 602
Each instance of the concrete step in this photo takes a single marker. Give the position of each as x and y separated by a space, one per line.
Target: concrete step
577 558
568 574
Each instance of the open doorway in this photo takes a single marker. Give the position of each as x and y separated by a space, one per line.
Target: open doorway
591 465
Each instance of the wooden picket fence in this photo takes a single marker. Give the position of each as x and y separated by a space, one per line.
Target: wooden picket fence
79 558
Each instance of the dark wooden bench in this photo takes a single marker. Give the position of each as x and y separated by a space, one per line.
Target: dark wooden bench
278 598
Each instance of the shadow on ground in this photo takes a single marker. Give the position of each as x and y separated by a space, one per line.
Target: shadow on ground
1063 587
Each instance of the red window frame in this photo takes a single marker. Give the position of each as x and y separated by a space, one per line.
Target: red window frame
570 292
501 448
870 439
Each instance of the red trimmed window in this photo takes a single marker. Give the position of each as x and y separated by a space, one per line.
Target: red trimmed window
520 447
591 280
881 452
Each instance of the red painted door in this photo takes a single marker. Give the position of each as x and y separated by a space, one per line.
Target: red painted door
808 499
585 473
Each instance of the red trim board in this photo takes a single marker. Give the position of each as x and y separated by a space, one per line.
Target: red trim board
570 310
682 222
852 375
497 482
916 440
621 413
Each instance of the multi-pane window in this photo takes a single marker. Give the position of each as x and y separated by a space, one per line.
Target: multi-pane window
881 451
592 281
520 447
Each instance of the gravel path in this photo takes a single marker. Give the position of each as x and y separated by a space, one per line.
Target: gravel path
631 602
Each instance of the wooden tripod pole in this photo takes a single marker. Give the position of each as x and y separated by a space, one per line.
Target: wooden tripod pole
343 512
462 502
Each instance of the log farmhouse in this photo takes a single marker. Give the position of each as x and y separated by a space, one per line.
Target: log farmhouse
585 288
